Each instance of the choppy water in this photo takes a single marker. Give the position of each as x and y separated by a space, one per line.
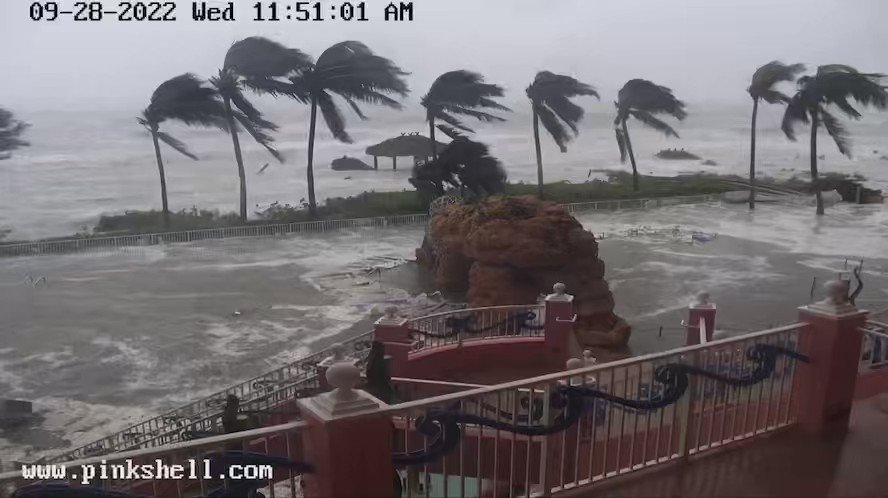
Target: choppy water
113 338
81 165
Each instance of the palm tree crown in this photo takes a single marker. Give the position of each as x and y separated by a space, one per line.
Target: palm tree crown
352 71
462 93
10 131
550 96
642 100
832 85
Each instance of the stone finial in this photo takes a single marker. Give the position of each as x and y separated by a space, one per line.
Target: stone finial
837 301
344 376
559 294
573 364
702 300
337 351
390 317
391 312
588 359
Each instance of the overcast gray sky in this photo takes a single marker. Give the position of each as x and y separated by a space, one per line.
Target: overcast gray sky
704 49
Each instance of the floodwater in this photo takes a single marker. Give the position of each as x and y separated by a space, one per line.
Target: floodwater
112 338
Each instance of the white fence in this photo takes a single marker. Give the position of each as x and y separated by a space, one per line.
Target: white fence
93 244
874 353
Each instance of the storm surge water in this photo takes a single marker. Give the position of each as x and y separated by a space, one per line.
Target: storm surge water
81 165
113 338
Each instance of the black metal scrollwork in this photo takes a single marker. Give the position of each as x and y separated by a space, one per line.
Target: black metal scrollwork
463 325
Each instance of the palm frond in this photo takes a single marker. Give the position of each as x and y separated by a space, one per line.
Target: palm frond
773 97
621 143
864 88
356 108
772 73
569 112
646 96
463 92
333 117
796 112
175 144
450 131
479 115
453 121
351 69
258 132
649 119
837 131
547 84
553 126
185 98
258 57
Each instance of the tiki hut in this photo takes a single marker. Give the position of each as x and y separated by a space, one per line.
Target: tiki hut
415 145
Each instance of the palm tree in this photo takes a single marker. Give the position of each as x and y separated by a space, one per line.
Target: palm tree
833 84
762 88
642 99
460 92
255 63
550 95
10 131
186 99
463 164
352 71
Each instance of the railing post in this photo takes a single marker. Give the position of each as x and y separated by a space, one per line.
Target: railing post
701 309
832 341
559 325
392 331
351 455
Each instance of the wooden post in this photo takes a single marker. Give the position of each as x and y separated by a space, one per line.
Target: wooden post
394 163
375 162
832 341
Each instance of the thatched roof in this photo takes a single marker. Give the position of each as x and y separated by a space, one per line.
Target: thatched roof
406 145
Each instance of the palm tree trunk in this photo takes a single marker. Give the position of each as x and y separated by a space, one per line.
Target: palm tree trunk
238 156
163 183
312 203
432 138
631 156
815 118
539 153
755 107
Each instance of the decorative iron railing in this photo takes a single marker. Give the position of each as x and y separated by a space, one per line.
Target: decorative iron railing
259 395
276 450
457 326
562 431
93 244
875 346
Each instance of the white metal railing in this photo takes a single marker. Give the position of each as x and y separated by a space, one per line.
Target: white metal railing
609 439
280 440
490 323
90 244
875 346
262 393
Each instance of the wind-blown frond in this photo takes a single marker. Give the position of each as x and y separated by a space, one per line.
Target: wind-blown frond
186 99
865 89
452 121
333 117
649 119
465 93
621 143
11 130
837 131
258 132
796 112
450 131
553 126
766 77
261 58
176 144
649 97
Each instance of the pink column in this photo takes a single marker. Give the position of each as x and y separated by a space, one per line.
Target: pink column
392 331
347 441
833 344
704 309
559 325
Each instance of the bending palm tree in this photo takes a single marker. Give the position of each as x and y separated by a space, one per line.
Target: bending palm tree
642 99
762 88
550 95
833 84
352 71
253 63
10 131
183 98
460 92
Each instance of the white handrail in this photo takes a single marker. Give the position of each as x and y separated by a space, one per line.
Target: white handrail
702 329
